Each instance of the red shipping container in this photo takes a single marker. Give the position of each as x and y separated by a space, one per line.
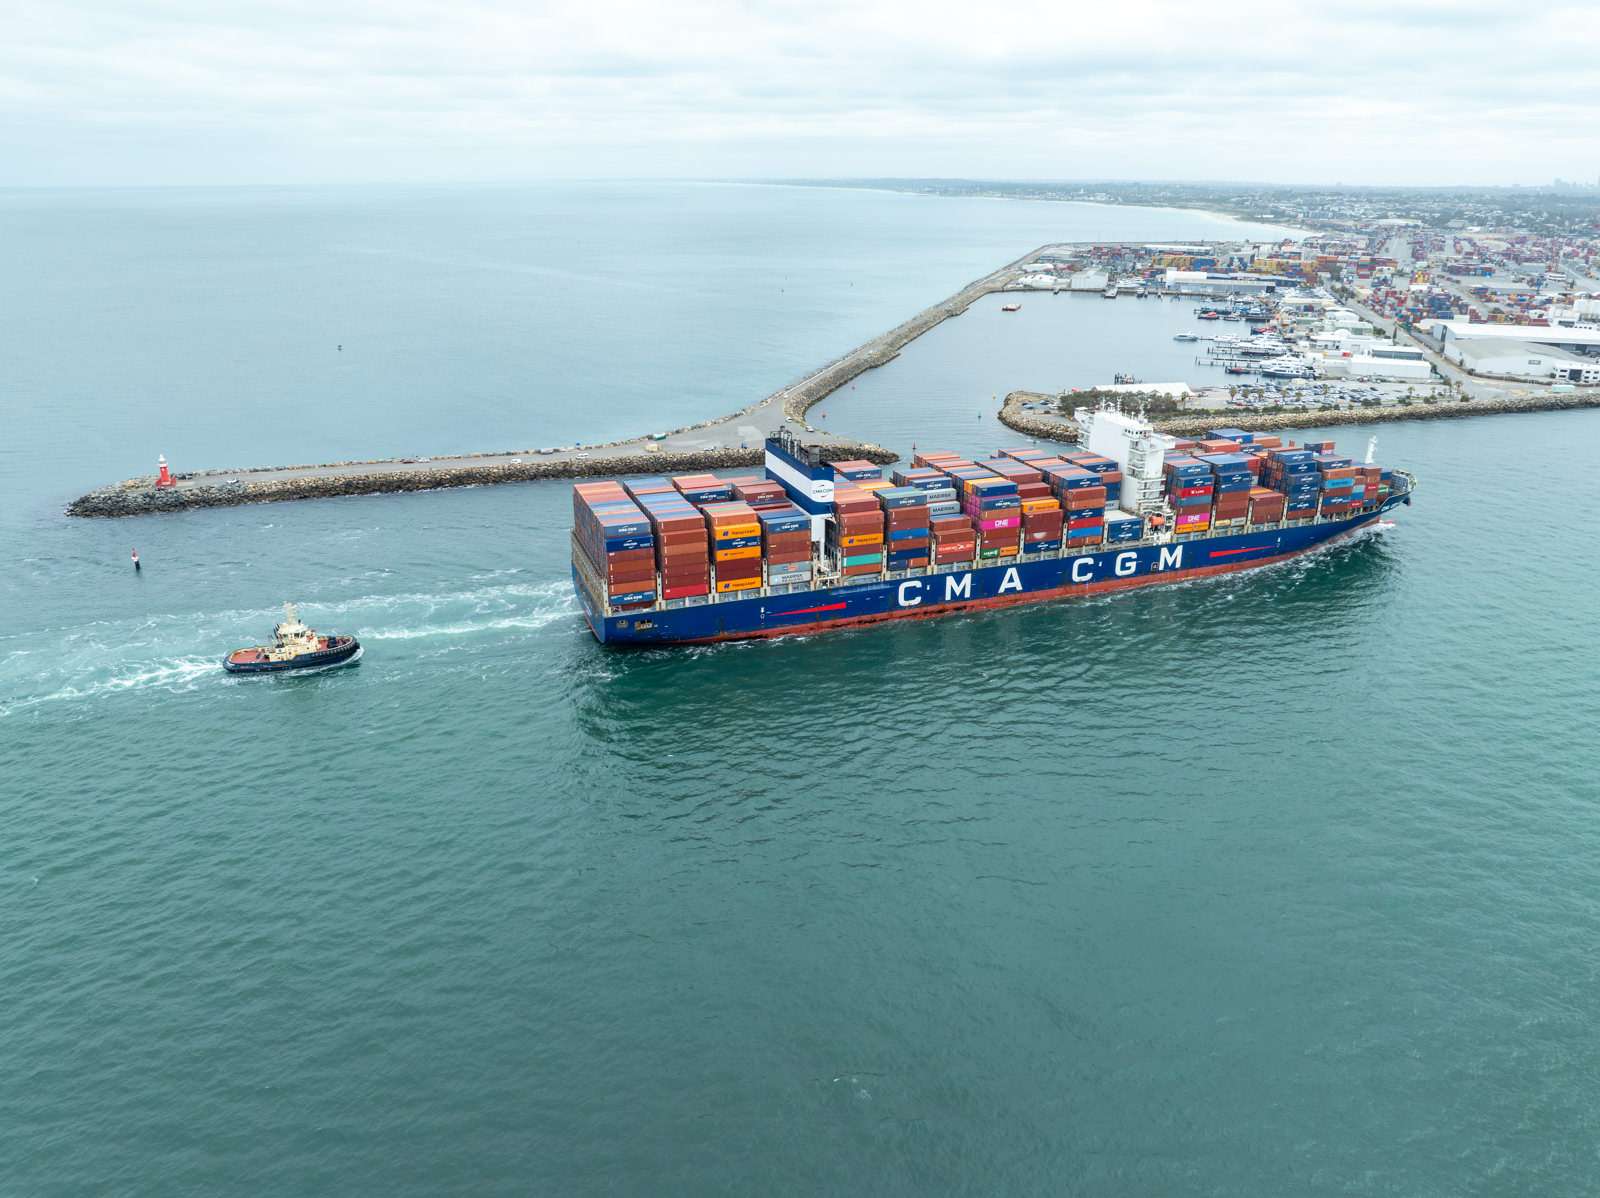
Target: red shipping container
686 590
1084 497
633 571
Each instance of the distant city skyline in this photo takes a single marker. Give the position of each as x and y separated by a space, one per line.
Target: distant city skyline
1438 93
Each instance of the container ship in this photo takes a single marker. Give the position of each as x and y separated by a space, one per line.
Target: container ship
818 544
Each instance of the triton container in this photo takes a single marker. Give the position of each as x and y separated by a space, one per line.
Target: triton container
820 544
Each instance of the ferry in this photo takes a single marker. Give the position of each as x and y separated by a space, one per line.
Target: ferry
294 648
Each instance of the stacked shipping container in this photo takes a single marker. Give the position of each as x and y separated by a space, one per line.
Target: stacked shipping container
1083 498
907 534
995 508
855 534
1294 472
1190 490
683 560
785 544
1232 476
735 545
614 538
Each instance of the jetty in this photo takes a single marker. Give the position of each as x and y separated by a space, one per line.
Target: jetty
728 442
1027 412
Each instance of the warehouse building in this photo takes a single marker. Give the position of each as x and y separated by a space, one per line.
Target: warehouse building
1573 340
1200 282
1522 360
1379 361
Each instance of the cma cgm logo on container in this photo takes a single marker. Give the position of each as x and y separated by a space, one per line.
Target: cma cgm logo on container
959 586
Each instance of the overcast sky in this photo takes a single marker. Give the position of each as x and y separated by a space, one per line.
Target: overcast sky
248 91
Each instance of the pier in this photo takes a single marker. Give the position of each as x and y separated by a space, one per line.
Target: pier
1050 426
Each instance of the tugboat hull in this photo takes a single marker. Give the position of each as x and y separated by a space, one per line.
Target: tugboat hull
341 651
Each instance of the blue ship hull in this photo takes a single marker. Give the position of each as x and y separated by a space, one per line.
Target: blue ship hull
945 590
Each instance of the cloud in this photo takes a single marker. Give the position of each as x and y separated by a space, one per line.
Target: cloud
182 91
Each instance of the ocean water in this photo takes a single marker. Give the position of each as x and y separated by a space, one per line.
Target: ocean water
1280 883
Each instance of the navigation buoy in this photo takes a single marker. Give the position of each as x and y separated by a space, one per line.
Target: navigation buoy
164 479
136 566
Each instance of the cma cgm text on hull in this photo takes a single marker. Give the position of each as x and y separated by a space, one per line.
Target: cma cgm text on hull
817 545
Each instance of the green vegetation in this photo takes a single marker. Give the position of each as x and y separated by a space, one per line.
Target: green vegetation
1151 403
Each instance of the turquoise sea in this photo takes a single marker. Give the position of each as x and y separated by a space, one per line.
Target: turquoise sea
1283 883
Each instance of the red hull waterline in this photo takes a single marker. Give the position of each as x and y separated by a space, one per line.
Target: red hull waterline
1070 591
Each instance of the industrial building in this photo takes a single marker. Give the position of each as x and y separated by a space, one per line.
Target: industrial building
1366 359
1573 340
1200 282
1522 360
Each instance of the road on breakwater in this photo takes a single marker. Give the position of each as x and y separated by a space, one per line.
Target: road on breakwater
728 442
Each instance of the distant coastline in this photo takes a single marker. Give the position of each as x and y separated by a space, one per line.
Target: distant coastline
998 191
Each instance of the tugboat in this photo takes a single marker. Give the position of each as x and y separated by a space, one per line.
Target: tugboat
294 647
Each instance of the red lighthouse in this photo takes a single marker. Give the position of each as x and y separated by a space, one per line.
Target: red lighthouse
164 479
